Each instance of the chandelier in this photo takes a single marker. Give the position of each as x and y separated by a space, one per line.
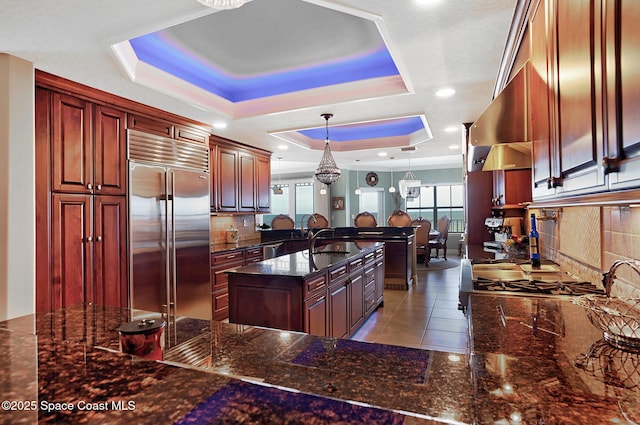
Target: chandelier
223 4
327 171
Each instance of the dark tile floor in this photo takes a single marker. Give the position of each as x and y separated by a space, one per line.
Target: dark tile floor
425 316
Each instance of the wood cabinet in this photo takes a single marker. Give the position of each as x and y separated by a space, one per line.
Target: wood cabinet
85 160
220 264
584 98
356 294
622 70
567 131
315 305
81 220
241 178
88 251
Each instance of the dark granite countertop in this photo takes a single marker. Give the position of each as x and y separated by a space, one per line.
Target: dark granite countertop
560 373
219 371
302 264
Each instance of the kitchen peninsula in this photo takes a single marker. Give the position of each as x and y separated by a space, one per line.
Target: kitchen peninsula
330 291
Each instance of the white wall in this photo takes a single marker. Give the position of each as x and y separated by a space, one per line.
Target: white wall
17 188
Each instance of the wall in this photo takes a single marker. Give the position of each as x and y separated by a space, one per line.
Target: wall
17 188
586 240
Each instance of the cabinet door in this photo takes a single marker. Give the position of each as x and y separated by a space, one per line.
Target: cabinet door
247 183
541 37
71 250
150 125
110 159
356 301
227 180
315 310
339 310
623 103
110 251
213 177
578 96
263 183
71 147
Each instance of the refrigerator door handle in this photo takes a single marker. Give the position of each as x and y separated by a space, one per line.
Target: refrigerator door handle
167 242
174 274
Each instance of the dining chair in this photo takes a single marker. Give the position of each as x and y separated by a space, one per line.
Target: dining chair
365 219
399 218
282 221
317 221
441 242
422 229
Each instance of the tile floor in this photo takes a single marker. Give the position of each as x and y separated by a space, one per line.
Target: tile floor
425 316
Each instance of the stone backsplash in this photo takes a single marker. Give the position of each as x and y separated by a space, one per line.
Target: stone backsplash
245 224
587 240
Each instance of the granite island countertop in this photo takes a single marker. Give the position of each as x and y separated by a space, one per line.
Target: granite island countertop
239 372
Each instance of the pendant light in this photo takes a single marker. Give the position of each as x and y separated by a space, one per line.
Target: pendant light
323 190
392 188
327 171
408 182
358 190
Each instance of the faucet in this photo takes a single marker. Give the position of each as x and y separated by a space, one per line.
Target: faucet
312 217
314 237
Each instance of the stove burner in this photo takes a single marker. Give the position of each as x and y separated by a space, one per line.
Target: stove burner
536 286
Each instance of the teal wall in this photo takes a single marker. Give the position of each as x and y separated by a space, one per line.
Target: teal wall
346 186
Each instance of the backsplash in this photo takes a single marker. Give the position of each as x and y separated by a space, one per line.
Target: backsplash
586 240
245 224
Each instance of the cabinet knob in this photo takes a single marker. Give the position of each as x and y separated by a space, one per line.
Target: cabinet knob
89 239
98 187
99 239
89 186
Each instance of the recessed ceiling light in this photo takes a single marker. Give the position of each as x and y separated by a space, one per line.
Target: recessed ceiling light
283 147
454 147
451 129
382 154
446 92
219 125
427 2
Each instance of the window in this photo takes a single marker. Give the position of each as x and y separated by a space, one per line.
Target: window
295 201
435 202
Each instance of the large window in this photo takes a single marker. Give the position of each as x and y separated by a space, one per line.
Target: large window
295 201
435 202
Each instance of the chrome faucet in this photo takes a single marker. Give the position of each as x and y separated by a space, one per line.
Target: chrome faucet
314 237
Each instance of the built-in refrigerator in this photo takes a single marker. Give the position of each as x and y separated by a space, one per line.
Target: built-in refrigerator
168 208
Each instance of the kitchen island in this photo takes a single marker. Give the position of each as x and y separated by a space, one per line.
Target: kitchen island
328 292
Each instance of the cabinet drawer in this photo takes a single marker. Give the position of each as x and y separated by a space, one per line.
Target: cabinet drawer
369 257
370 273
337 273
315 285
254 252
227 257
369 301
370 288
220 305
379 253
355 264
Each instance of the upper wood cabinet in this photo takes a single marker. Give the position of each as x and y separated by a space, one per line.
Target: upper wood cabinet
88 147
240 179
566 87
622 70
585 97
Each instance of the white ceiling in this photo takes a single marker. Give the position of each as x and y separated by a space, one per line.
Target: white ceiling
435 44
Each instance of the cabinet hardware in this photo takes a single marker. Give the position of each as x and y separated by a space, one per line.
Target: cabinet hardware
89 186
98 187
611 165
89 239
99 239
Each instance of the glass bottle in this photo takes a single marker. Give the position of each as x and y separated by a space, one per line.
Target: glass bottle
534 247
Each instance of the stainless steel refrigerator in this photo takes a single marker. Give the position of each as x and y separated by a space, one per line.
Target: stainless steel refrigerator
169 248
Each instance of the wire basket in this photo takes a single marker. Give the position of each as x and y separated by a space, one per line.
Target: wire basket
620 368
617 318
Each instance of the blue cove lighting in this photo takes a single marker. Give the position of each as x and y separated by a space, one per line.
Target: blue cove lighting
372 130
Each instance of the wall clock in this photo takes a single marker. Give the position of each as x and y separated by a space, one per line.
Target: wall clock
372 179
